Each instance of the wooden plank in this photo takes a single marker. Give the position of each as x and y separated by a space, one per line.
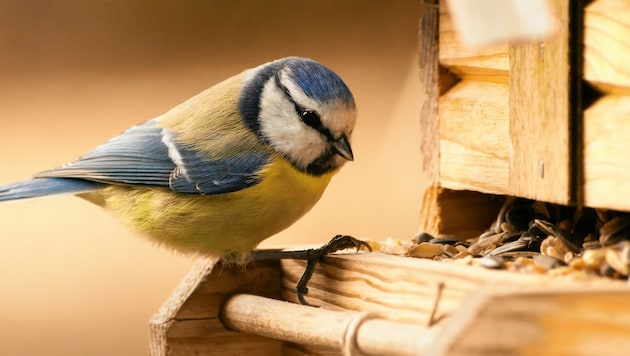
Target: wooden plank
485 22
607 45
460 213
405 289
188 322
429 83
606 148
539 322
473 129
488 63
540 165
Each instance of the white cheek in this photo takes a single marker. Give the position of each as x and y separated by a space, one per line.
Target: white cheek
285 131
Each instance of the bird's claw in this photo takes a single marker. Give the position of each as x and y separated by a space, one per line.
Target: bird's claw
312 256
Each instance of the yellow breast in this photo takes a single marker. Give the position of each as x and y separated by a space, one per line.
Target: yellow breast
228 225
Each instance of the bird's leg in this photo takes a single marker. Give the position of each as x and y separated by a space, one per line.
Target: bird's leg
311 256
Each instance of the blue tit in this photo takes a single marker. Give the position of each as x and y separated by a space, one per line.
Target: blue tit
224 170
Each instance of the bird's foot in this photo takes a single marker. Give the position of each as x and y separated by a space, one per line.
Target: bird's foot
312 256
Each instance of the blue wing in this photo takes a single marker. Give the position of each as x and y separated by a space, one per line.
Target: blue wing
149 155
40 187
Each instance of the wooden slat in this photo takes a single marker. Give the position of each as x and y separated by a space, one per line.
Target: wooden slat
405 289
606 153
473 129
539 115
489 63
607 45
546 321
430 88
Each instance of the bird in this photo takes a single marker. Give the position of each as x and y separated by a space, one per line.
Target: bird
224 170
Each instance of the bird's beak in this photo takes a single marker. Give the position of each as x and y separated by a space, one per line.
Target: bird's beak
341 146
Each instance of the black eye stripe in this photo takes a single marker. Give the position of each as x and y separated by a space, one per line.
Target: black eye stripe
309 117
312 119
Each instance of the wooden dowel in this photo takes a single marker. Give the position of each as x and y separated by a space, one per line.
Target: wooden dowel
340 330
384 337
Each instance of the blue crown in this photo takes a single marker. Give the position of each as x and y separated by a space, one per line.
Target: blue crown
318 82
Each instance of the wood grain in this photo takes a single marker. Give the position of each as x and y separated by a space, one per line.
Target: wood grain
327 329
551 321
474 146
606 148
188 322
607 45
539 115
405 289
488 63
430 89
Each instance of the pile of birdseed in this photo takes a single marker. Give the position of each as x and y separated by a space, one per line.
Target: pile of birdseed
537 237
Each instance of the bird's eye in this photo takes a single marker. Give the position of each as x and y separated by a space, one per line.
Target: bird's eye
311 118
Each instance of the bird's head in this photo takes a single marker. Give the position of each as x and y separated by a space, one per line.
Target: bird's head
303 110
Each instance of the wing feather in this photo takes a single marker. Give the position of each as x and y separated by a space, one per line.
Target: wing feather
149 155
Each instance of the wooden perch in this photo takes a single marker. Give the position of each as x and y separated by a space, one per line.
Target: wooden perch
337 330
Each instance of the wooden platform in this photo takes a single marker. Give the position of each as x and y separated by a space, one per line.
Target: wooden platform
372 302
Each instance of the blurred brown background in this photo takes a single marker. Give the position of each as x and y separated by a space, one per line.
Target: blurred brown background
75 73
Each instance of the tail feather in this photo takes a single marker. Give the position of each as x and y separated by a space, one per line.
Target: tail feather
40 187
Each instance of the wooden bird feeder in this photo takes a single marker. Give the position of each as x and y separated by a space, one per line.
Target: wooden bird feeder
546 119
